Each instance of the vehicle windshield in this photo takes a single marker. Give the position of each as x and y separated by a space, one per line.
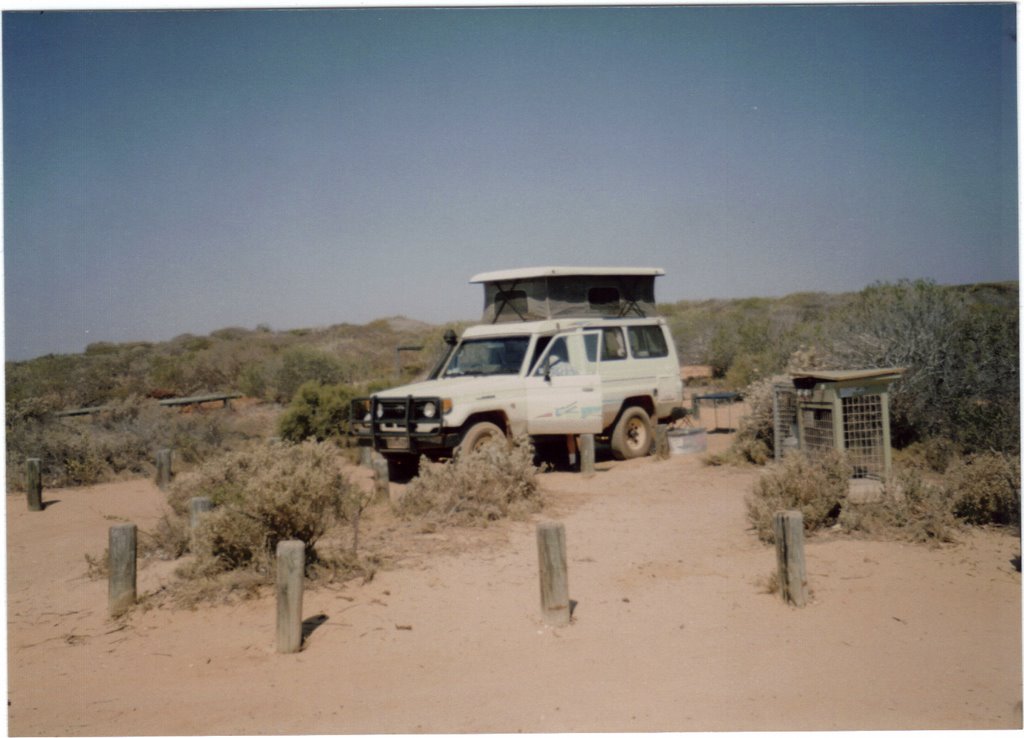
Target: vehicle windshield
484 356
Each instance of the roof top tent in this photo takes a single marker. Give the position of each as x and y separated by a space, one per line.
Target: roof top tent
542 293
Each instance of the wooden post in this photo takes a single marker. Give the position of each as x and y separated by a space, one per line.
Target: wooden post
197 507
554 576
381 480
34 482
163 468
788 526
122 550
661 441
587 454
365 456
291 564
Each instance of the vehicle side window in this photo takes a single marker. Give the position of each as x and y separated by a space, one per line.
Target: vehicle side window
647 342
538 351
558 363
614 346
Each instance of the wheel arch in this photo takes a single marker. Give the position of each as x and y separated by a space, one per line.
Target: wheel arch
490 416
642 401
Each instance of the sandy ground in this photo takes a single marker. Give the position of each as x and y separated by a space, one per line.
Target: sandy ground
672 630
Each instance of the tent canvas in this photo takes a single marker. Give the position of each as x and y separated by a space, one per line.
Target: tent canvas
565 292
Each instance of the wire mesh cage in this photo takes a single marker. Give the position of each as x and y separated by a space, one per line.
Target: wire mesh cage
842 410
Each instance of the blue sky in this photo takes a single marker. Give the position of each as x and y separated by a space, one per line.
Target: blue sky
183 171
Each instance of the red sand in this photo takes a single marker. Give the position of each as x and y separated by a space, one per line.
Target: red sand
672 631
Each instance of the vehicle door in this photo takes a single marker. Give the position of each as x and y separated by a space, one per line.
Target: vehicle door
563 391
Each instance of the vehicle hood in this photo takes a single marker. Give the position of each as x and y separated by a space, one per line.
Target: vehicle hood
453 387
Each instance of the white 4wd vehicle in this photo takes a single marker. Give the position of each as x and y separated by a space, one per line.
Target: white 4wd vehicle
565 351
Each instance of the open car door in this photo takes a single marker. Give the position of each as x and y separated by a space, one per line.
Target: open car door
563 391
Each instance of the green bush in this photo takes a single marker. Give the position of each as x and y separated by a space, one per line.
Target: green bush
492 482
985 488
961 355
303 364
815 486
317 411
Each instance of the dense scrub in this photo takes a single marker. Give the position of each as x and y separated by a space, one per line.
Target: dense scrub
123 439
979 489
259 363
959 348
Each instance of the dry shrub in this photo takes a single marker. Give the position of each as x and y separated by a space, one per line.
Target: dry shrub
815 486
169 540
910 509
120 440
755 435
985 488
262 496
492 482
931 454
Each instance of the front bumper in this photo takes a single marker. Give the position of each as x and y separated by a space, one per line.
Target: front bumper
400 424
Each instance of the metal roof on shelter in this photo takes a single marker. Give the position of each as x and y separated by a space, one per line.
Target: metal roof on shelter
564 271
849 375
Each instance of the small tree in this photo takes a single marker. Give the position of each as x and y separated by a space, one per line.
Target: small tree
317 411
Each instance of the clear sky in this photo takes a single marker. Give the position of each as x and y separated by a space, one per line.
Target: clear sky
172 172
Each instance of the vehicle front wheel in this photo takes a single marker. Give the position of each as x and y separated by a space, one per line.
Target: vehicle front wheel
478 435
632 435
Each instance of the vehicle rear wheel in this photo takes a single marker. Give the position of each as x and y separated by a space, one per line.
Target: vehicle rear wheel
478 435
632 435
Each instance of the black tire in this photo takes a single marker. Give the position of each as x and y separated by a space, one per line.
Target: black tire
477 435
632 436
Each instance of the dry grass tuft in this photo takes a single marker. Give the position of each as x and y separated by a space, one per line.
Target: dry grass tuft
910 509
814 486
493 482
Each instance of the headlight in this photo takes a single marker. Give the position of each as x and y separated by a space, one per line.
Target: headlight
429 410
380 412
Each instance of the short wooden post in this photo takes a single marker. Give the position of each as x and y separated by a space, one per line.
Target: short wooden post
554 576
122 553
788 527
197 507
291 564
381 479
661 449
587 454
34 482
365 456
163 468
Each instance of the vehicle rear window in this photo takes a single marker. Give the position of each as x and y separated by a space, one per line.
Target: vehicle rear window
614 345
647 342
